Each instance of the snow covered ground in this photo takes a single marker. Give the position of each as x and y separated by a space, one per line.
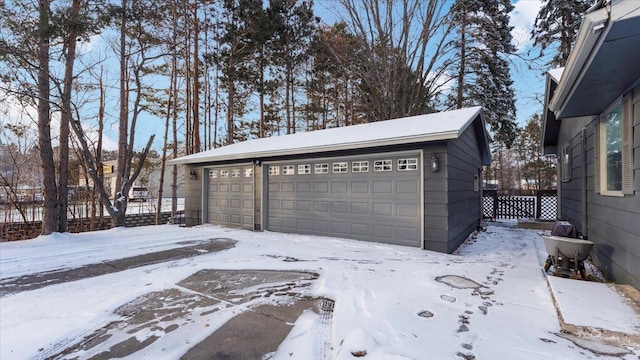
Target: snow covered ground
489 300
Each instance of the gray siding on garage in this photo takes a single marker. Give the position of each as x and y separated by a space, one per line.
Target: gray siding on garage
374 205
464 192
193 196
230 198
452 195
436 208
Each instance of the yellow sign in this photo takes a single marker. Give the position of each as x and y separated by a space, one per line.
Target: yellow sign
107 169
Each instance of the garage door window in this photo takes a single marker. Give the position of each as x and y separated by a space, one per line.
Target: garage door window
213 174
224 173
382 165
360 166
248 172
235 173
340 167
274 170
288 170
304 169
321 168
407 164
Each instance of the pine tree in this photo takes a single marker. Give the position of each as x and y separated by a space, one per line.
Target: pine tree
556 26
482 70
235 57
294 30
536 170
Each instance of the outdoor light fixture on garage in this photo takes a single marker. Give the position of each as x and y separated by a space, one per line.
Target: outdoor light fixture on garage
193 175
435 164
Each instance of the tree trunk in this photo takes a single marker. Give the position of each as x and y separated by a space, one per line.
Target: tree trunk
196 81
216 111
123 123
188 137
463 57
286 101
99 163
50 216
174 115
261 93
163 165
65 117
230 109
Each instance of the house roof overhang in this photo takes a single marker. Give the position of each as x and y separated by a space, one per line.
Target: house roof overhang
409 130
550 126
603 63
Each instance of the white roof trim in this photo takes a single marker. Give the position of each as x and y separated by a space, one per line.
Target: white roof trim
580 55
593 33
414 129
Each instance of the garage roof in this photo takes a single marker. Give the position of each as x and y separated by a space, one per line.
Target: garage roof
415 129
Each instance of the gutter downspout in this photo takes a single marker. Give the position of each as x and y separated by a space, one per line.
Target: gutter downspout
585 193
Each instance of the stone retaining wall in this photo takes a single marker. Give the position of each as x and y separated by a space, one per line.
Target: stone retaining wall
30 230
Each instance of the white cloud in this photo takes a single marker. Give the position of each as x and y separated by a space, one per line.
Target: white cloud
523 17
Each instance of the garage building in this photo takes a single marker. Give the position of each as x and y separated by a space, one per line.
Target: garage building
413 181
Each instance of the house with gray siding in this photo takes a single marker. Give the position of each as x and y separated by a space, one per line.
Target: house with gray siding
592 123
414 181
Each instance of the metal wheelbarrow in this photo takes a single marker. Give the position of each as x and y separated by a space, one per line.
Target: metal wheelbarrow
567 255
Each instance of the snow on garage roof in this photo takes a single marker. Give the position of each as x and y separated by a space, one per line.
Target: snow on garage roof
413 129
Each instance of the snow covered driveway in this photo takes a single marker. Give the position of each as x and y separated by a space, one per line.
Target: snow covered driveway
490 300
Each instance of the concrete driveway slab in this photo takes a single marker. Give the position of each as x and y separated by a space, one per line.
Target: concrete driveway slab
219 308
40 280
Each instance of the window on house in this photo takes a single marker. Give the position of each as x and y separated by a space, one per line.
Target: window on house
407 164
304 169
321 168
565 163
224 173
274 170
615 152
288 170
382 165
235 173
213 174
248 172
612 149
340 167
360 166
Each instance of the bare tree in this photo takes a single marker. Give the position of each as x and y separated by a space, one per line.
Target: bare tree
403 59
